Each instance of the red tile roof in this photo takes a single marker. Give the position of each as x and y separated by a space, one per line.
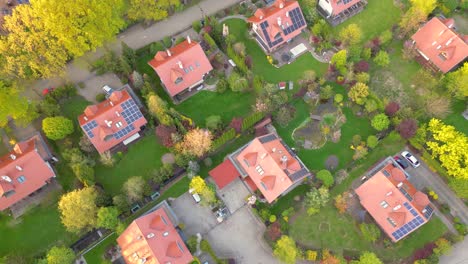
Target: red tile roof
381 188
276 14
153 239
269 164
107 115
439 43
224 174
339 6
24 161
186 60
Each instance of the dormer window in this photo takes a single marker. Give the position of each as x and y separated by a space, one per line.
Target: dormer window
443 56
178 80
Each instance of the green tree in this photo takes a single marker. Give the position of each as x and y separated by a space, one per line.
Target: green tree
286 250
213 122
315 199
321 29
326 177
385 37
442 247
411 20
369 258
370 232
426 6
13 105
150 10
84 173
372 141
196 142
339 60
107 217
457 82
326 92
135 187
57 127
238 83
159 109
351 35
78 209
362 77
380 122
60 255
285 115
382 59
358 93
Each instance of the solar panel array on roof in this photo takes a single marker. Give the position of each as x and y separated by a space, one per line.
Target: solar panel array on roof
408 228
276 41
268 138
88 127
410 208
298 174
428 211
123 132
405 193
131 112
296 19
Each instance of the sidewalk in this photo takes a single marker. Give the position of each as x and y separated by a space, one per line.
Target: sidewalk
136 37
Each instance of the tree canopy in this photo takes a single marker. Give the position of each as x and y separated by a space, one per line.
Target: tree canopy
351 34
78 209
286 250
196 142
369 258
457 82
150 10
57 127
60 255
380 122
13 105
107 217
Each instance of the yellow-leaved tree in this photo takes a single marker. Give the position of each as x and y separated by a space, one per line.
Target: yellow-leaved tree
151 10
14 106
78 209
196 142
197 184
450 147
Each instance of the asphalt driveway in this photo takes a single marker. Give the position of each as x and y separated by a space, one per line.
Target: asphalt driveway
234 195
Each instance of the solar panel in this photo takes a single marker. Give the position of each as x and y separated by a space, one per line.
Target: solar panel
410 208
297 21
88 127
406 194
123 132
408 228
268 138
299 174
131 112
428 211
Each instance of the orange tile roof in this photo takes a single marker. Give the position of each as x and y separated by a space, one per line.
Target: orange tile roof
185 60
439 43
269 165
24 161
380 188
224 174
108 113
339 6
275 14
153 239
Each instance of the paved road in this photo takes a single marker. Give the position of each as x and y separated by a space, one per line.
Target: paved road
136 37
459 254
427 178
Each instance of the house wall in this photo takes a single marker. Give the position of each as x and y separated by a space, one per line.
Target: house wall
326 5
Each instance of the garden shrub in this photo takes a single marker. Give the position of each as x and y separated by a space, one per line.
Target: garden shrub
192 244
251 120
100 97
213 122
225 137
197 26
57 127
380 122
326 177
370 232
372 141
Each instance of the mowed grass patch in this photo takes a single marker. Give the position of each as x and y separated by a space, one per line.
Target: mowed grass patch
141 159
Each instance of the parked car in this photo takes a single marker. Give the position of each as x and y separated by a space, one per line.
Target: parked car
47 90
195 195
402 162
412 159
107 89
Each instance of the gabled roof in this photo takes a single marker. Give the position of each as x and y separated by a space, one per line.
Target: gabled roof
153 239
279 22
112 121
439 43
186 61
271 165
22 172
394 203
224 174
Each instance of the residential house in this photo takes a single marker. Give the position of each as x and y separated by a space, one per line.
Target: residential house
266 164
277 24
24 171
394 203
114 122
154 238
439 46
337 11
181 68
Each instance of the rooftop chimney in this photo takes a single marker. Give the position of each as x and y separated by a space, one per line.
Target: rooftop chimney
150 235
168 53
117 113
108 123
180 64
397 207
279 21
19 168
111 103
189 40
12 156
85 118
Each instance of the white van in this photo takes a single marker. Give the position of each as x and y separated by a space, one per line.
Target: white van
195 195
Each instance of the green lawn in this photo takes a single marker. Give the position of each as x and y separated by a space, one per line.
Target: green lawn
96 255
262 67
455 118
141 159
377 17
207 103
35 232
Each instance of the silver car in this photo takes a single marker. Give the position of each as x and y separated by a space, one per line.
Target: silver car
411 159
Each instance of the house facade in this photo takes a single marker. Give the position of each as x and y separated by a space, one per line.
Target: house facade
266 164
277 24
153 239
24 171
181 68
394 203
337 11
114 122
438 46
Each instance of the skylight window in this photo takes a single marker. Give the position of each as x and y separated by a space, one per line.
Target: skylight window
21 179
178 80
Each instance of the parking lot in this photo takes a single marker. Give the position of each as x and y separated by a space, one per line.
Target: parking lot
239 237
